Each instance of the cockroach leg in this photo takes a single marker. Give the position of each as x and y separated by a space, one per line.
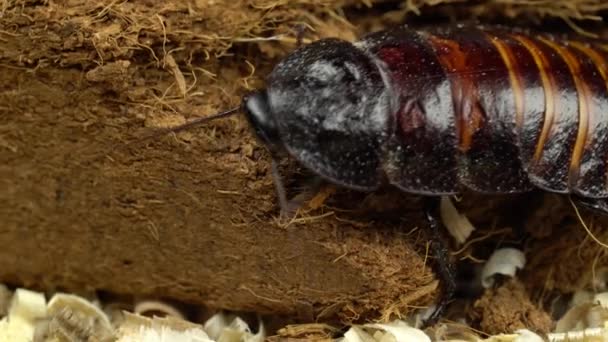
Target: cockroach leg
286 211
300 30
290 207
598 205
443 265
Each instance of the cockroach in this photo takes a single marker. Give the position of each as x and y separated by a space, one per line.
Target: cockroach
436 112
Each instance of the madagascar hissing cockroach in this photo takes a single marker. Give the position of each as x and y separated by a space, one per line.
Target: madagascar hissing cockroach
436 112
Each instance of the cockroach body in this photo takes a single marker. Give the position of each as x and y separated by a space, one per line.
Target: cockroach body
437 112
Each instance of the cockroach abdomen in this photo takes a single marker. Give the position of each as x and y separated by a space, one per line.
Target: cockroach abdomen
550 165
483 100
456 124
332 106
420 156
527 91
590 168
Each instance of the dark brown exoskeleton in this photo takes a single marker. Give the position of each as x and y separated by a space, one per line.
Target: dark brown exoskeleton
433 113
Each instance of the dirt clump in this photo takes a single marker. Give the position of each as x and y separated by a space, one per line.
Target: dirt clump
509 308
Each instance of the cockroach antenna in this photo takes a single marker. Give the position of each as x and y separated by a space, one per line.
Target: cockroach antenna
188 125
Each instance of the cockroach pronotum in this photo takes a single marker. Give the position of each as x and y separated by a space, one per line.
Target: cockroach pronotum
436 112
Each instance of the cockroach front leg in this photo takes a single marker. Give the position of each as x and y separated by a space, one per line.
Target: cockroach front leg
597 205
289 208
280 189
300 31
443 266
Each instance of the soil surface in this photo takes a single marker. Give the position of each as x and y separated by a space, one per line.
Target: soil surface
192 216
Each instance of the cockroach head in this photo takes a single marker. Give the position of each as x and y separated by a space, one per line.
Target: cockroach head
257 111
329 105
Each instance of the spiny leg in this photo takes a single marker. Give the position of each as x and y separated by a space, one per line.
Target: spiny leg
289 208
279 188
598 205
300 31
443 266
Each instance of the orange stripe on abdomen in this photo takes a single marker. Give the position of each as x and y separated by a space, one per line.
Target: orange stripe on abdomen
469 117
549 167
593 180
514 76
597 59
583 108
548 84
485 109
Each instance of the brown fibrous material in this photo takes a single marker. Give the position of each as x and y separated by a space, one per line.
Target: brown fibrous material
508 308
192 216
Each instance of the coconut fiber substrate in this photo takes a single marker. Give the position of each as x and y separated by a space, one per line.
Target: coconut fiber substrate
191 218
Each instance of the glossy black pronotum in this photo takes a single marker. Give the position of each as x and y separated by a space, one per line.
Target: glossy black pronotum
436 112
